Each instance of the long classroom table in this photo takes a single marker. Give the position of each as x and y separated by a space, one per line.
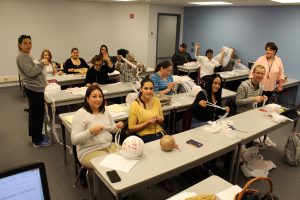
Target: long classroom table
156 165
253 124
210 185
63 97
77 78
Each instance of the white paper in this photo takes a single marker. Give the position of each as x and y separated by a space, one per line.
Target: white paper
183 195
118 162
229 193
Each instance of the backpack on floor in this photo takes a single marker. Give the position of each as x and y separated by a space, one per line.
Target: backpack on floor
292 150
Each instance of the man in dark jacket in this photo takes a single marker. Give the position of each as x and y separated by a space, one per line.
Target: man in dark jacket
180 57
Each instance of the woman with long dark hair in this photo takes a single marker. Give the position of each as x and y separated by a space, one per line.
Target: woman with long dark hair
145 115
202 111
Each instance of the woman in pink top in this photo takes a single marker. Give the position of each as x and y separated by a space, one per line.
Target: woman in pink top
274 70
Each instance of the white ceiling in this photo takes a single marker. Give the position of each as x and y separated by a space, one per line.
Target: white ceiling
185 2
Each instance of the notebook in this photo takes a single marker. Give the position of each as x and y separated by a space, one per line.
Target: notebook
24 182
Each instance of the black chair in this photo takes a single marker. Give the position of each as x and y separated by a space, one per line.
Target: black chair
82 173
187 119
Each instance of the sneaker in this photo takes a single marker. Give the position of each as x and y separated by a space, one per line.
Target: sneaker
43 143
46 137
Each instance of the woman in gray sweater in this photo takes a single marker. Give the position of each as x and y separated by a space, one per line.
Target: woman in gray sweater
92 127
31 73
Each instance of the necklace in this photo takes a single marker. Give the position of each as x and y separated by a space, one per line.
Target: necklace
270 65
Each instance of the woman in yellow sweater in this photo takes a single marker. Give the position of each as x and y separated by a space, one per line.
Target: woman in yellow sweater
145 115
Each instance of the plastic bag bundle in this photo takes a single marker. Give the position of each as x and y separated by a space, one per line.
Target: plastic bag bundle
254 165
240 66
131 97
190 64
196 90
227 55
132 147
279 118
272 107
180 79
52 88
77 90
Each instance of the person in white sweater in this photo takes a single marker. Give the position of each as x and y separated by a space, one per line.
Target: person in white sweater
92 128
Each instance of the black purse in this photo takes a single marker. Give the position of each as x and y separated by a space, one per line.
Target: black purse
252 194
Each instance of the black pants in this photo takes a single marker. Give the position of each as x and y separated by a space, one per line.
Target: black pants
36 114
268 94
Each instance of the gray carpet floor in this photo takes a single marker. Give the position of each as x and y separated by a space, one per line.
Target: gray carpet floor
16 149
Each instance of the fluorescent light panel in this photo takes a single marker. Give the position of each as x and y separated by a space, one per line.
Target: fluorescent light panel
287 1
209 3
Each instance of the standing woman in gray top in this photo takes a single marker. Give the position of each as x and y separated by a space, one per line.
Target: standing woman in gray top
35 83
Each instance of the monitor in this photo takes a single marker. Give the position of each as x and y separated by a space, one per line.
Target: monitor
24 182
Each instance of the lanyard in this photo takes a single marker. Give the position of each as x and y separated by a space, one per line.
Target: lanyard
270 66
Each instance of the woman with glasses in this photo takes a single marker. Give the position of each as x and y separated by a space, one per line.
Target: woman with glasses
98 74
250 91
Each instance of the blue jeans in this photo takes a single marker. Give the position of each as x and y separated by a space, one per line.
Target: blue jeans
196 123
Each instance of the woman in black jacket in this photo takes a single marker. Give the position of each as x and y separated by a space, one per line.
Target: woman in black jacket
74 63
202 111
98 74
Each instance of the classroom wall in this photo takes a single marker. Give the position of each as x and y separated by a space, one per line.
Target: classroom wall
247 29
61 25
154 10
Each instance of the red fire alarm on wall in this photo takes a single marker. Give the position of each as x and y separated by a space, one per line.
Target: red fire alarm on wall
131 16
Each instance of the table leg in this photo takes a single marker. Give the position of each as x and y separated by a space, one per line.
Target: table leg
63 132
232 164
237 164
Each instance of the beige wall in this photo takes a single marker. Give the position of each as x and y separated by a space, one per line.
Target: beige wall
61 25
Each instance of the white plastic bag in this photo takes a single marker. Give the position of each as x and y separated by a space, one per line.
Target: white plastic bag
227 55
240 66
52 88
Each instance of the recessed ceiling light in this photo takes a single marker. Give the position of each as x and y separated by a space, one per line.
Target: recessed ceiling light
210 3
287 1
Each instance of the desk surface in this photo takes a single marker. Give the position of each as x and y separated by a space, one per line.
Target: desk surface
110 91
186 99
255 123
291 82
69 79
167 164
234 75
211 185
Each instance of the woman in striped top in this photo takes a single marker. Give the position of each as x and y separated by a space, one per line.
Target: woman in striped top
163 81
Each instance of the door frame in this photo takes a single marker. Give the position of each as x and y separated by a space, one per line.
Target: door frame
177 33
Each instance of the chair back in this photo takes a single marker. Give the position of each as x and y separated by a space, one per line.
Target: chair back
187 119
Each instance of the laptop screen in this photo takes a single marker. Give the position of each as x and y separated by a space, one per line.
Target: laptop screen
25 182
